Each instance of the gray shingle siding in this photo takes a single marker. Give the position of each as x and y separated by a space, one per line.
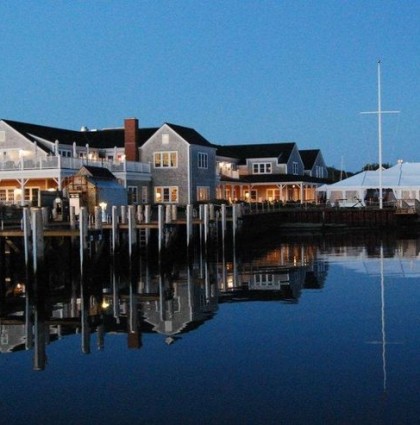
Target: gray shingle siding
203 176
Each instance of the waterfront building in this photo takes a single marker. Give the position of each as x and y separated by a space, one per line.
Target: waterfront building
270 172
170 164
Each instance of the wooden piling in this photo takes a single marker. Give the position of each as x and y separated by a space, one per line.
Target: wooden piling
168 214
83 233
114 227
206 221
98 218
160 227
223 214
72 214
189 217
37 237
132 233
26 224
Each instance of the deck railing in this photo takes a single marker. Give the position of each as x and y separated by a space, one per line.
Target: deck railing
58 162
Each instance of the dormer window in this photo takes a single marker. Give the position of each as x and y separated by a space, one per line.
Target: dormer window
261 168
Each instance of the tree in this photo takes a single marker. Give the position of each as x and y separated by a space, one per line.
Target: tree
374 166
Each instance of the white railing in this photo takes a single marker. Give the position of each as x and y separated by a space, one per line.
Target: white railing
58 162
234 174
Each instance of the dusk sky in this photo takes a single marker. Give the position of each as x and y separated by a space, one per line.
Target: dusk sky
238 71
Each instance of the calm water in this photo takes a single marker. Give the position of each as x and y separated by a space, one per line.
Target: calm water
306 331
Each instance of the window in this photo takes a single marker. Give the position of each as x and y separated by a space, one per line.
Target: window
132 195
166 194
203 160
65 153
2 136
261 168
273 195
165 139
295 168
319 171
7 195
165 159
203 193
31 195
144 194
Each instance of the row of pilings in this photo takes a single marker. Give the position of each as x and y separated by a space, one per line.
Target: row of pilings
130 226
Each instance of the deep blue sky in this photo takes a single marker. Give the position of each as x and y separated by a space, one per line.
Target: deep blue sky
238 71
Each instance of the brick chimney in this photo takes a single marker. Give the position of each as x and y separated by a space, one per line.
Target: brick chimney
131 139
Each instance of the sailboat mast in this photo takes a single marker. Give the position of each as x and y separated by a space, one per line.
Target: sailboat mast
380 137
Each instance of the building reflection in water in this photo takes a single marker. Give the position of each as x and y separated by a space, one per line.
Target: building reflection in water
170 299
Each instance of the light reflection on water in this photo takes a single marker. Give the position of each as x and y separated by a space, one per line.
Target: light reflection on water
303 331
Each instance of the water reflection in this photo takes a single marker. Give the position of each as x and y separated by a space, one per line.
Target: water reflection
175 297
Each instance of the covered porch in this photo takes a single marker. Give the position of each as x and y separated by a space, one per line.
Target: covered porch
265 191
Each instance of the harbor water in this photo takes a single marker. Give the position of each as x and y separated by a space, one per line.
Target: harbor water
286 329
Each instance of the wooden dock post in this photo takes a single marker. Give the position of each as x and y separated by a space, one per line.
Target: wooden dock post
132 234
160 227
147 213
98 218
189 217
201 218
234 219
147 219
83 232
206 221
114 227
123 214
45 215
72 217
211 212
168 214
223 221
37 237
26 223
174 212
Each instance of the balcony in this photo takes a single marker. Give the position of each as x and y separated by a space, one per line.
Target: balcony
62 163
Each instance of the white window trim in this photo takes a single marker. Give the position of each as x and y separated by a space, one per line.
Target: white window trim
134 191
161 153
203 160
256 167
170 188
206 189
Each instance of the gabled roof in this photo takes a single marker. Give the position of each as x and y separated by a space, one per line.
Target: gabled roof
281 151
100 139
309 157
190 135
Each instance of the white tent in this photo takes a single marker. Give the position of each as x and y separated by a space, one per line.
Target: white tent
401 181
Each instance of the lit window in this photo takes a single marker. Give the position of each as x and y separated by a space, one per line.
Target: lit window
165 159
166 194
203 193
